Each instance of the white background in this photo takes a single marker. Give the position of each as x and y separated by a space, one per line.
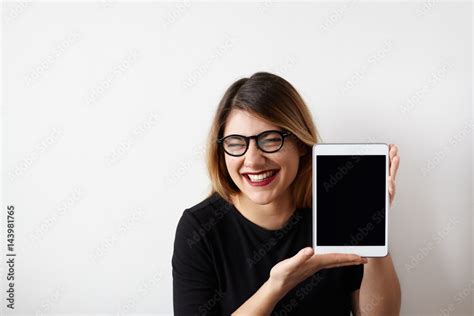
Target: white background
106 108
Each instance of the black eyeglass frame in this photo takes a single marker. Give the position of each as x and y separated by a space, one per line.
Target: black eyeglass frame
283 135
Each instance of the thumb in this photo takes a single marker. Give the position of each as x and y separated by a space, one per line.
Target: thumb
302 255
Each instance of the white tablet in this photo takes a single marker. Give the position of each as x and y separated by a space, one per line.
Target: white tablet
350 199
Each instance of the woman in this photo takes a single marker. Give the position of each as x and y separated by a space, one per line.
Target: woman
246 248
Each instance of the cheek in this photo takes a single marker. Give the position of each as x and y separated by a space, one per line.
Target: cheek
292 169
292 161
232 166
291 164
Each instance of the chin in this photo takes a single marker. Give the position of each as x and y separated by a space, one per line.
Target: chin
261 198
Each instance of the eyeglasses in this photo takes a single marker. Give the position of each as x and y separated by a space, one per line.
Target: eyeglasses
267 141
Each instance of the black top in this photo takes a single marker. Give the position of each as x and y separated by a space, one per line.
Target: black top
221 259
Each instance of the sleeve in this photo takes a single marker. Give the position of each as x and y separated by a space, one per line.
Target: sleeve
194 278
354 276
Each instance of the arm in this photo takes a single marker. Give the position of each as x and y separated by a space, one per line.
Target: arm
286 274
262 302
380 292
195 287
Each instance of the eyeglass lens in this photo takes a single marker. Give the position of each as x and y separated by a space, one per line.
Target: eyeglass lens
268 142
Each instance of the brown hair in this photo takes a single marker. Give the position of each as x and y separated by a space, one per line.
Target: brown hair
274 100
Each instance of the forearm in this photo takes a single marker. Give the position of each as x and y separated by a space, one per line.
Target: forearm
262 302
380 292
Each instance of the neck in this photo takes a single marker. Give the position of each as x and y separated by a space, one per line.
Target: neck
273 215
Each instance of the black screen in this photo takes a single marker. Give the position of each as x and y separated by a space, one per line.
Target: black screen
350 199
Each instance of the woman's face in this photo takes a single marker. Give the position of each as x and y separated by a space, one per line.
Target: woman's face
284 162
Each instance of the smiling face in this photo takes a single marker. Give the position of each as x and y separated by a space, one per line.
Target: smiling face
285 161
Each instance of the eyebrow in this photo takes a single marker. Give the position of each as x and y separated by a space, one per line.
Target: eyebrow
271 129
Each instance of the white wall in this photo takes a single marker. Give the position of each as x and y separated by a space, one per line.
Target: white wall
106 106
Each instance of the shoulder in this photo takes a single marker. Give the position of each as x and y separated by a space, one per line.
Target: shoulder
305 215
211 208
207 206
305 211
202 217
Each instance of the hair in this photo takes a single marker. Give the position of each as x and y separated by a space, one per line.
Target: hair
273 99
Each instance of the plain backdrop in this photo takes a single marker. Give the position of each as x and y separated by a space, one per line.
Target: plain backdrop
106 107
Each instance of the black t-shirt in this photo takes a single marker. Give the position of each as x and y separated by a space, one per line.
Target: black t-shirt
221 259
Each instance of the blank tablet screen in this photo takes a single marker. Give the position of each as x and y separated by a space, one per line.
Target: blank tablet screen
350 200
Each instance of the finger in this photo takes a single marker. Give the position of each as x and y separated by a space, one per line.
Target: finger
394 167
345 264
341 264
393 149
302 255
392 190
331 259
391 184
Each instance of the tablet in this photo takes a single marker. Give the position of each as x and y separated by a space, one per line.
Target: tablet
350 198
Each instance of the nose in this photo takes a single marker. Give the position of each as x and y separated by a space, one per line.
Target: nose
253 156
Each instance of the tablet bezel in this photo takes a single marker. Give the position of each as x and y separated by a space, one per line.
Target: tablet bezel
351 149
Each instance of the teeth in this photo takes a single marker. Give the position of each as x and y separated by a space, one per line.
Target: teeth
261 176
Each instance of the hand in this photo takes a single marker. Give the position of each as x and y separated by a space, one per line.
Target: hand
288 273
393 168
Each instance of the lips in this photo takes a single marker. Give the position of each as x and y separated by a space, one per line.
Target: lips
259 172
261 182
271 173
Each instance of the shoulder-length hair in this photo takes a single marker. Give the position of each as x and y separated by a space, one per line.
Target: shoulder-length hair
274 100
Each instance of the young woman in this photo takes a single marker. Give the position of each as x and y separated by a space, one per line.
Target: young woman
246 248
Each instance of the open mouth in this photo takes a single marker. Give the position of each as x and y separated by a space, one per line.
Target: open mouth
261 179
